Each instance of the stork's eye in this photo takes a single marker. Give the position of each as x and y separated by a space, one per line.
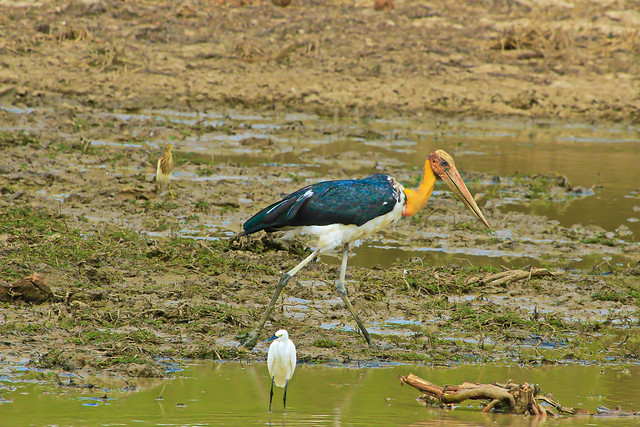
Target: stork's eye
444 163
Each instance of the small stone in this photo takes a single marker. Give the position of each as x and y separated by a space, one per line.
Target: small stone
383 5
480 199
623 231
525 100
30 289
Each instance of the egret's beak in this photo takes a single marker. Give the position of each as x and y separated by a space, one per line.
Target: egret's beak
275 337
455 183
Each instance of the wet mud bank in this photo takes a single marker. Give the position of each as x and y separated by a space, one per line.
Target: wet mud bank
139 279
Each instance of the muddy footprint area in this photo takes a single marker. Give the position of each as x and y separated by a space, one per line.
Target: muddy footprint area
139 280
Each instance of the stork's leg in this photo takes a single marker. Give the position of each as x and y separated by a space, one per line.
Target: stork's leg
271 394
343 294
253 336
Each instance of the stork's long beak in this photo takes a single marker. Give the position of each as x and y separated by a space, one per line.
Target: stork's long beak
455 183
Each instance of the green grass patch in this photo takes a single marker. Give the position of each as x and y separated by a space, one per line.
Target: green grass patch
599 239
325 343
105 336
623 295
205 172
8 138
41 237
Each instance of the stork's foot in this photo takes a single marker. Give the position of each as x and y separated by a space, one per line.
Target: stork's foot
367 337
249 343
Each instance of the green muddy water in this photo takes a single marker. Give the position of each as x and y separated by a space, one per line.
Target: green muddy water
209 393
602 160
304 148
606 157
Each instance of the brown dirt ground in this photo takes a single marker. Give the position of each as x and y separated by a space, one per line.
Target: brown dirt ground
527 58
123 303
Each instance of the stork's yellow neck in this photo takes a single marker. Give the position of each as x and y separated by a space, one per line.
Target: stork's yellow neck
417 198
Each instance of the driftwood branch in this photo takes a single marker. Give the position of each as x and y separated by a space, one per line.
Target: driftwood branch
460 393
512 398
509 276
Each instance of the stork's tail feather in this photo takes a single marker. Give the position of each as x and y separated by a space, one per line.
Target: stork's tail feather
277 215
253 225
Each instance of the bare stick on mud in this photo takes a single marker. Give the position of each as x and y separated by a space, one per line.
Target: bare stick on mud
509 276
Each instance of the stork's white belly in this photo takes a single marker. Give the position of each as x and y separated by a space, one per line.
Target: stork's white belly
333 236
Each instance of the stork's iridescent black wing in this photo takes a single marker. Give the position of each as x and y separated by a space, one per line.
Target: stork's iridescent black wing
352 201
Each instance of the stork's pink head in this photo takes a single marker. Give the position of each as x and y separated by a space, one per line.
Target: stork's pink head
444 168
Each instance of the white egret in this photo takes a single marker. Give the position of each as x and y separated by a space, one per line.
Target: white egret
281 362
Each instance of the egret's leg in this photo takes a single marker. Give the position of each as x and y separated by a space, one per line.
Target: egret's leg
343 294
284 399
252 339
271 394
170 192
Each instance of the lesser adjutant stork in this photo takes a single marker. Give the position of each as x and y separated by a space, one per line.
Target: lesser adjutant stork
340 212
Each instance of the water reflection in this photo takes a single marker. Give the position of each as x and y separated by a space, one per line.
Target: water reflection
208 393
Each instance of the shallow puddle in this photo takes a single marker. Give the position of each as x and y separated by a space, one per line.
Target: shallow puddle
602 161
604 157
207 393
303 149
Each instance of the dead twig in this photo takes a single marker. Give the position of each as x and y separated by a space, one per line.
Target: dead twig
509 276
